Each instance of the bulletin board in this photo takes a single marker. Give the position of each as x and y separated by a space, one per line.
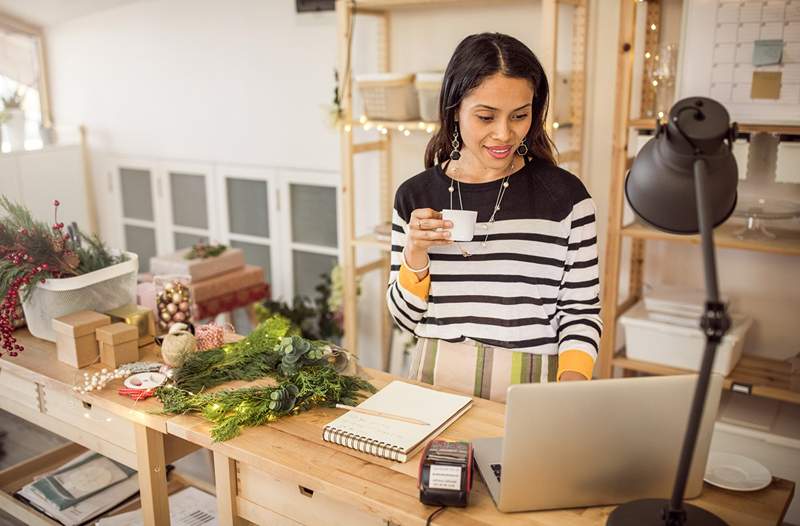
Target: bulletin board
744 54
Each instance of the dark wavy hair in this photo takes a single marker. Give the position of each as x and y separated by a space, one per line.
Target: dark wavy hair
476 58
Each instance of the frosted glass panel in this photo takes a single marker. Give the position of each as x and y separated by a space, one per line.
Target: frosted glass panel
248 212
189 202
308 271
187 240
137 198
142 241
314 215
256 255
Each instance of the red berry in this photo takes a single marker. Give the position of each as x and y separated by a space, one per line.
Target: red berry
56 202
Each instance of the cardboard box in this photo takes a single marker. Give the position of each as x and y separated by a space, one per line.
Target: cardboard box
75 340
118 344
246 277
139 317
198 269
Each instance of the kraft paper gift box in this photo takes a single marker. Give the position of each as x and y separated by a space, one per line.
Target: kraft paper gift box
198 269
118 344
246 277
137 316
75 340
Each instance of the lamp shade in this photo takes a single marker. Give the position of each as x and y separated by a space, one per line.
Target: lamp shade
660 185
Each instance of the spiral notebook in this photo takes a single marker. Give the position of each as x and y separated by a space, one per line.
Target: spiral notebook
393 439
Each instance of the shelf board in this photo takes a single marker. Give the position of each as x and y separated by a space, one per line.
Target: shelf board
398 4
767 378
786 129
402 126
787 242
372 241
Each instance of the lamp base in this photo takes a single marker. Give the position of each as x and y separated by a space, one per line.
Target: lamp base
650 512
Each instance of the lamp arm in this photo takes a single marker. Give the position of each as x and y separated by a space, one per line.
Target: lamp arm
715 323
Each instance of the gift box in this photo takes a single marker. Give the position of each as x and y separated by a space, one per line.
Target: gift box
139 317
118 344
249 276
198 269
75 340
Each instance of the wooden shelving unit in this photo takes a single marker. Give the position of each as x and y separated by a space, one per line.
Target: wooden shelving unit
786 243
753 375
387 131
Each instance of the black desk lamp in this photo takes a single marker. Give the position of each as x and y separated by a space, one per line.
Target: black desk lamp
684 181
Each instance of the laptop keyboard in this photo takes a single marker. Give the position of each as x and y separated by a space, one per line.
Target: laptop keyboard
497 470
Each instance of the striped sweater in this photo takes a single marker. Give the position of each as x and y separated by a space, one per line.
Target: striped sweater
533 287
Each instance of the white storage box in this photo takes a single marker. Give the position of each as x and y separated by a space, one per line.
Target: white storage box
682 301
101 291
774 440
677 341
389 96
429 86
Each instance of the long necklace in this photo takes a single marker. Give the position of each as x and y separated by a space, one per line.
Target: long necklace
503 187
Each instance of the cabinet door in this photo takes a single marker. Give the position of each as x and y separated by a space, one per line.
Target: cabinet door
311 226
189 205
140 215
248 215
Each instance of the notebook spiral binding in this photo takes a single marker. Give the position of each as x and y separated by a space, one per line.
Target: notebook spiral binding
361 443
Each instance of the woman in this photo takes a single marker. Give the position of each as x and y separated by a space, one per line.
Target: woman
519 303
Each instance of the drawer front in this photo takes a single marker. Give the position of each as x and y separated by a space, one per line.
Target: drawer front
64 406
304 505
19 390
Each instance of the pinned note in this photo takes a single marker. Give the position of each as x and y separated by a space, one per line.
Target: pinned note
766 85
767 52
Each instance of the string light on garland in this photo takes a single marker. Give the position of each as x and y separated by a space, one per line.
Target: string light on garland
308 374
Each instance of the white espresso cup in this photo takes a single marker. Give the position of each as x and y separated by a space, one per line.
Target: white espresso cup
463 223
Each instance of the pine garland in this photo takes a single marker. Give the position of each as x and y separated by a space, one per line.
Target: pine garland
304 371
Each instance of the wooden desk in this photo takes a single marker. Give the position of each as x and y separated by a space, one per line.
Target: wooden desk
38 388
285 473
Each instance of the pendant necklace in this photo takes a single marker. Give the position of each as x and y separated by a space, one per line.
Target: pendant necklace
503 187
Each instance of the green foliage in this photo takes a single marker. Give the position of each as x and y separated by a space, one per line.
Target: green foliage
20 232
204 251
305 381
248 359
320 319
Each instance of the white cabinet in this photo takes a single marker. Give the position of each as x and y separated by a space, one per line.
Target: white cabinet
285 220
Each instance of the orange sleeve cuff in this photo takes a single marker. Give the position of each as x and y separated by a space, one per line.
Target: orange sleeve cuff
417 287
576 361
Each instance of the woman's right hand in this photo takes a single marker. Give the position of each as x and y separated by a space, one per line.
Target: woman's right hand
426 229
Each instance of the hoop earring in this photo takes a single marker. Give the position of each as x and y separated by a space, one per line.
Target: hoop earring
455 154
522 149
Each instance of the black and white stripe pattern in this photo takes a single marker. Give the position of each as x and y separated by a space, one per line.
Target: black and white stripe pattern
534 286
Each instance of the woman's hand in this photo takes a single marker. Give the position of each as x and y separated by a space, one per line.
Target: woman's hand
571 376
426 229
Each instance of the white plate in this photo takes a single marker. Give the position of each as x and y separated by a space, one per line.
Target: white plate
145 380
735 472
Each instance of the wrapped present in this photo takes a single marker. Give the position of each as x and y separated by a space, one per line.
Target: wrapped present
75 337
217 286
140 317
200 268
118 344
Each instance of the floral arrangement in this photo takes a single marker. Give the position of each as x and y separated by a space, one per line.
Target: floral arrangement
32 251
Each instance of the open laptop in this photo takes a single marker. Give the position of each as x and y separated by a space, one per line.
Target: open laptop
595 443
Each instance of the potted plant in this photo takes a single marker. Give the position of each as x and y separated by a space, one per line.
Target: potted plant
52 273
15 117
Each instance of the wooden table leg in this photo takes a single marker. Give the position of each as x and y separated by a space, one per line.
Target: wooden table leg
152 475
225 481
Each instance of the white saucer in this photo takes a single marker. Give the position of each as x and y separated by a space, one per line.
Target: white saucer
145 380
735 472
